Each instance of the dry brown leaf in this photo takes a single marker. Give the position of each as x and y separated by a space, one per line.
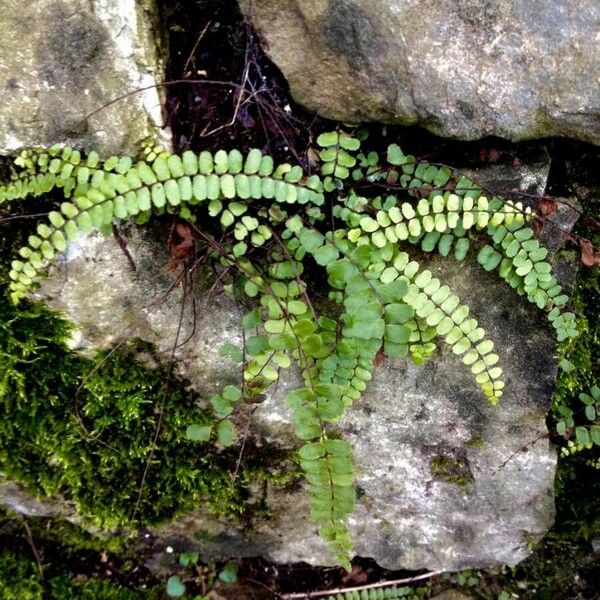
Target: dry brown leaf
546 206
589 257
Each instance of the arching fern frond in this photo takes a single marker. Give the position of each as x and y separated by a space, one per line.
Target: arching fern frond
271 218
379 593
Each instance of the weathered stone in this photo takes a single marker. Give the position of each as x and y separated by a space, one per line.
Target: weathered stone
445 480
466 69
452 595
517 182
14 497
62 62
406 516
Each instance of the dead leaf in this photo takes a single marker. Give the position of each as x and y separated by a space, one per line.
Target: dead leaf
546 206
589 257
181 244
378 358
494 155
356 576
490 155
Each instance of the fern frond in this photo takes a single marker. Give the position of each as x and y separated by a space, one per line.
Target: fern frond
387 302
390 281
426 222
379 593
121 190
337 157
40 171
520 259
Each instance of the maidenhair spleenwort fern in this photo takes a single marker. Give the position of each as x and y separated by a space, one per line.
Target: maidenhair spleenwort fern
374 594
275 222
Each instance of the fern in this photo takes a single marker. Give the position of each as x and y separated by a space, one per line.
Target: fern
387 302
382 593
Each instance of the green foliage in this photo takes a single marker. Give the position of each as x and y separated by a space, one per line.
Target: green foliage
587 434
62 548
175 587
64 588
270 217
18 578
228 574
85 444
451 469
576 399
380 593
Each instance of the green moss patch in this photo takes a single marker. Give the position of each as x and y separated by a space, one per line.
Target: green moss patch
452 469
69 563
84 429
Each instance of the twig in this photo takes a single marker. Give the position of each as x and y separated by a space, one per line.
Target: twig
241 453
16 217
240 95
158 84
393 582
36 553
123 245
160 410
523 448
189 58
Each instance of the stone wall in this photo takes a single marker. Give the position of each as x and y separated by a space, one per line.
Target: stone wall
62 63
465 69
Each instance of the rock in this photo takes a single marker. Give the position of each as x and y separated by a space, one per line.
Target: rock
62 62
445 480
452 595
517 182
410 514
15 498
464 69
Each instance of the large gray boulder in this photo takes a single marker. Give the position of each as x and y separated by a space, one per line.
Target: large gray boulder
62 61
465 69
445 480
439 486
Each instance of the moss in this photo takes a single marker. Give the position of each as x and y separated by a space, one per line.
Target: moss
18 578
543 124
584 351
451 469
477 441
92 443
84 429
71 562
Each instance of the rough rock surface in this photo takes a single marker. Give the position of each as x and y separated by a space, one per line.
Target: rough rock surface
445 480
518 69
15 498
61 61
409 515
